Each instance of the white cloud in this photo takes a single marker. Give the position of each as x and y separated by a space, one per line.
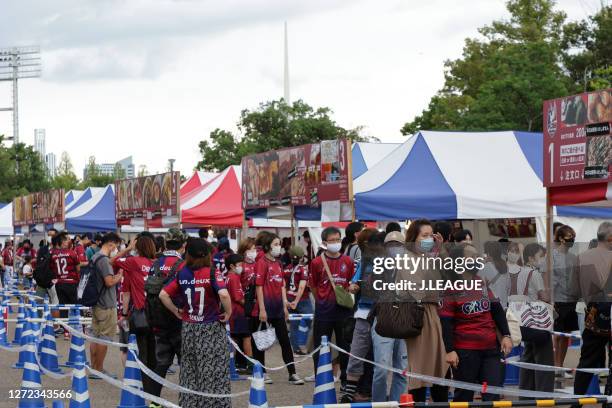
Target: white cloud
153 77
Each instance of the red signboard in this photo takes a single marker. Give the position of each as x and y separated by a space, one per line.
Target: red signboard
147 198
577 139
39 208
302 175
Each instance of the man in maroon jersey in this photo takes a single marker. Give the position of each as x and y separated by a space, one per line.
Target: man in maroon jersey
65 267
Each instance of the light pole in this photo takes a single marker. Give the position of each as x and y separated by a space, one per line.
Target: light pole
15 63
171 161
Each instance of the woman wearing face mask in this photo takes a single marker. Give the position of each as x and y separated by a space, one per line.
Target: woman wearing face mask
565 284
528 285
469 321
135 261
248 251
495 272
271 306
514 257
426 352
298 294
239 326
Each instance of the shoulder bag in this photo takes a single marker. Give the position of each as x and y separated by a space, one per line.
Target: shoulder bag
343 297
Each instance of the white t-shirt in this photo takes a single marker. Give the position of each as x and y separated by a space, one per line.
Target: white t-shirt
498 283
27 271
536 282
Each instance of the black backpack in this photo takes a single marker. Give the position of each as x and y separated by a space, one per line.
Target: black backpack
158 315
43 275
88 292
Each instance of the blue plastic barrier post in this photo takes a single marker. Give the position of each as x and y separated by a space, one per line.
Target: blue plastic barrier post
132 378
512 372
257 396
20 323
30 383
234 376
80 390
48 349
325 390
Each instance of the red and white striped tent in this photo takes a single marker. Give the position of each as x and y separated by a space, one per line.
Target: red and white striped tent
217 201
197 179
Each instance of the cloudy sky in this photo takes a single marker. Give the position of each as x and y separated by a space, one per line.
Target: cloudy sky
151 78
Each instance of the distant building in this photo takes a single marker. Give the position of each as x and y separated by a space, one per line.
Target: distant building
108 169
51 162
40 145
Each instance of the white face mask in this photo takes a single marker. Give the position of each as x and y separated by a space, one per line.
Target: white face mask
251 255
276 251
513 257
114 253
238 270
49 240
334 248
133 252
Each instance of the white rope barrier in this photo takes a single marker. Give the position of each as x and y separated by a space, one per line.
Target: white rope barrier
469 386
281 367
170 385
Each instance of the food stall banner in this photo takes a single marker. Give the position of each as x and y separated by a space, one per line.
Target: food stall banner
577 139
39 208
302 175
148 197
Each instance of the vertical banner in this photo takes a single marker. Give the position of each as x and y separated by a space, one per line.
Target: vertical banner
577 139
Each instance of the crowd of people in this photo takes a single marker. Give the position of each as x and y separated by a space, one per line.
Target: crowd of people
177 294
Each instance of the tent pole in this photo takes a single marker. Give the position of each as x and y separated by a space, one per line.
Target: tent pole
292 214
349 159
549 238
245 226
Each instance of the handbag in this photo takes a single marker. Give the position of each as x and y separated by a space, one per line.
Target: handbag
264 339
399 320
139 324
535 317
343 297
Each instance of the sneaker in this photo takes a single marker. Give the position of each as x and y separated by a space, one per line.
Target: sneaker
310 378
58 331
268 380
295 380
299 352
567 375
171 371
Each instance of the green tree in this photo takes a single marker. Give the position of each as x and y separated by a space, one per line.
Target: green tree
142 170
93 176
22 171
588 50
501 81
272 125
65 177
118 172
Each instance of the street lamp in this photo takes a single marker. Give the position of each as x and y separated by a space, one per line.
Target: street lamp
15 63
171 161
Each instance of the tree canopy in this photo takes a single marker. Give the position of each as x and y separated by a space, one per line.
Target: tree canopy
22 171
65 177
502 79
272 125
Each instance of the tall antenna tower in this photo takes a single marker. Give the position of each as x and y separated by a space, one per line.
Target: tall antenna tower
286 69
15 63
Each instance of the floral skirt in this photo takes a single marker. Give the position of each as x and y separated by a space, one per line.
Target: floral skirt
204 365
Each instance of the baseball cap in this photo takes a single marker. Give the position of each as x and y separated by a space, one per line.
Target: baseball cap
175 234
395 236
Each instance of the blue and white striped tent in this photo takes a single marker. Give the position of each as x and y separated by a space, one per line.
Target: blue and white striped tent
460 175
94 211
366 155
6 219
